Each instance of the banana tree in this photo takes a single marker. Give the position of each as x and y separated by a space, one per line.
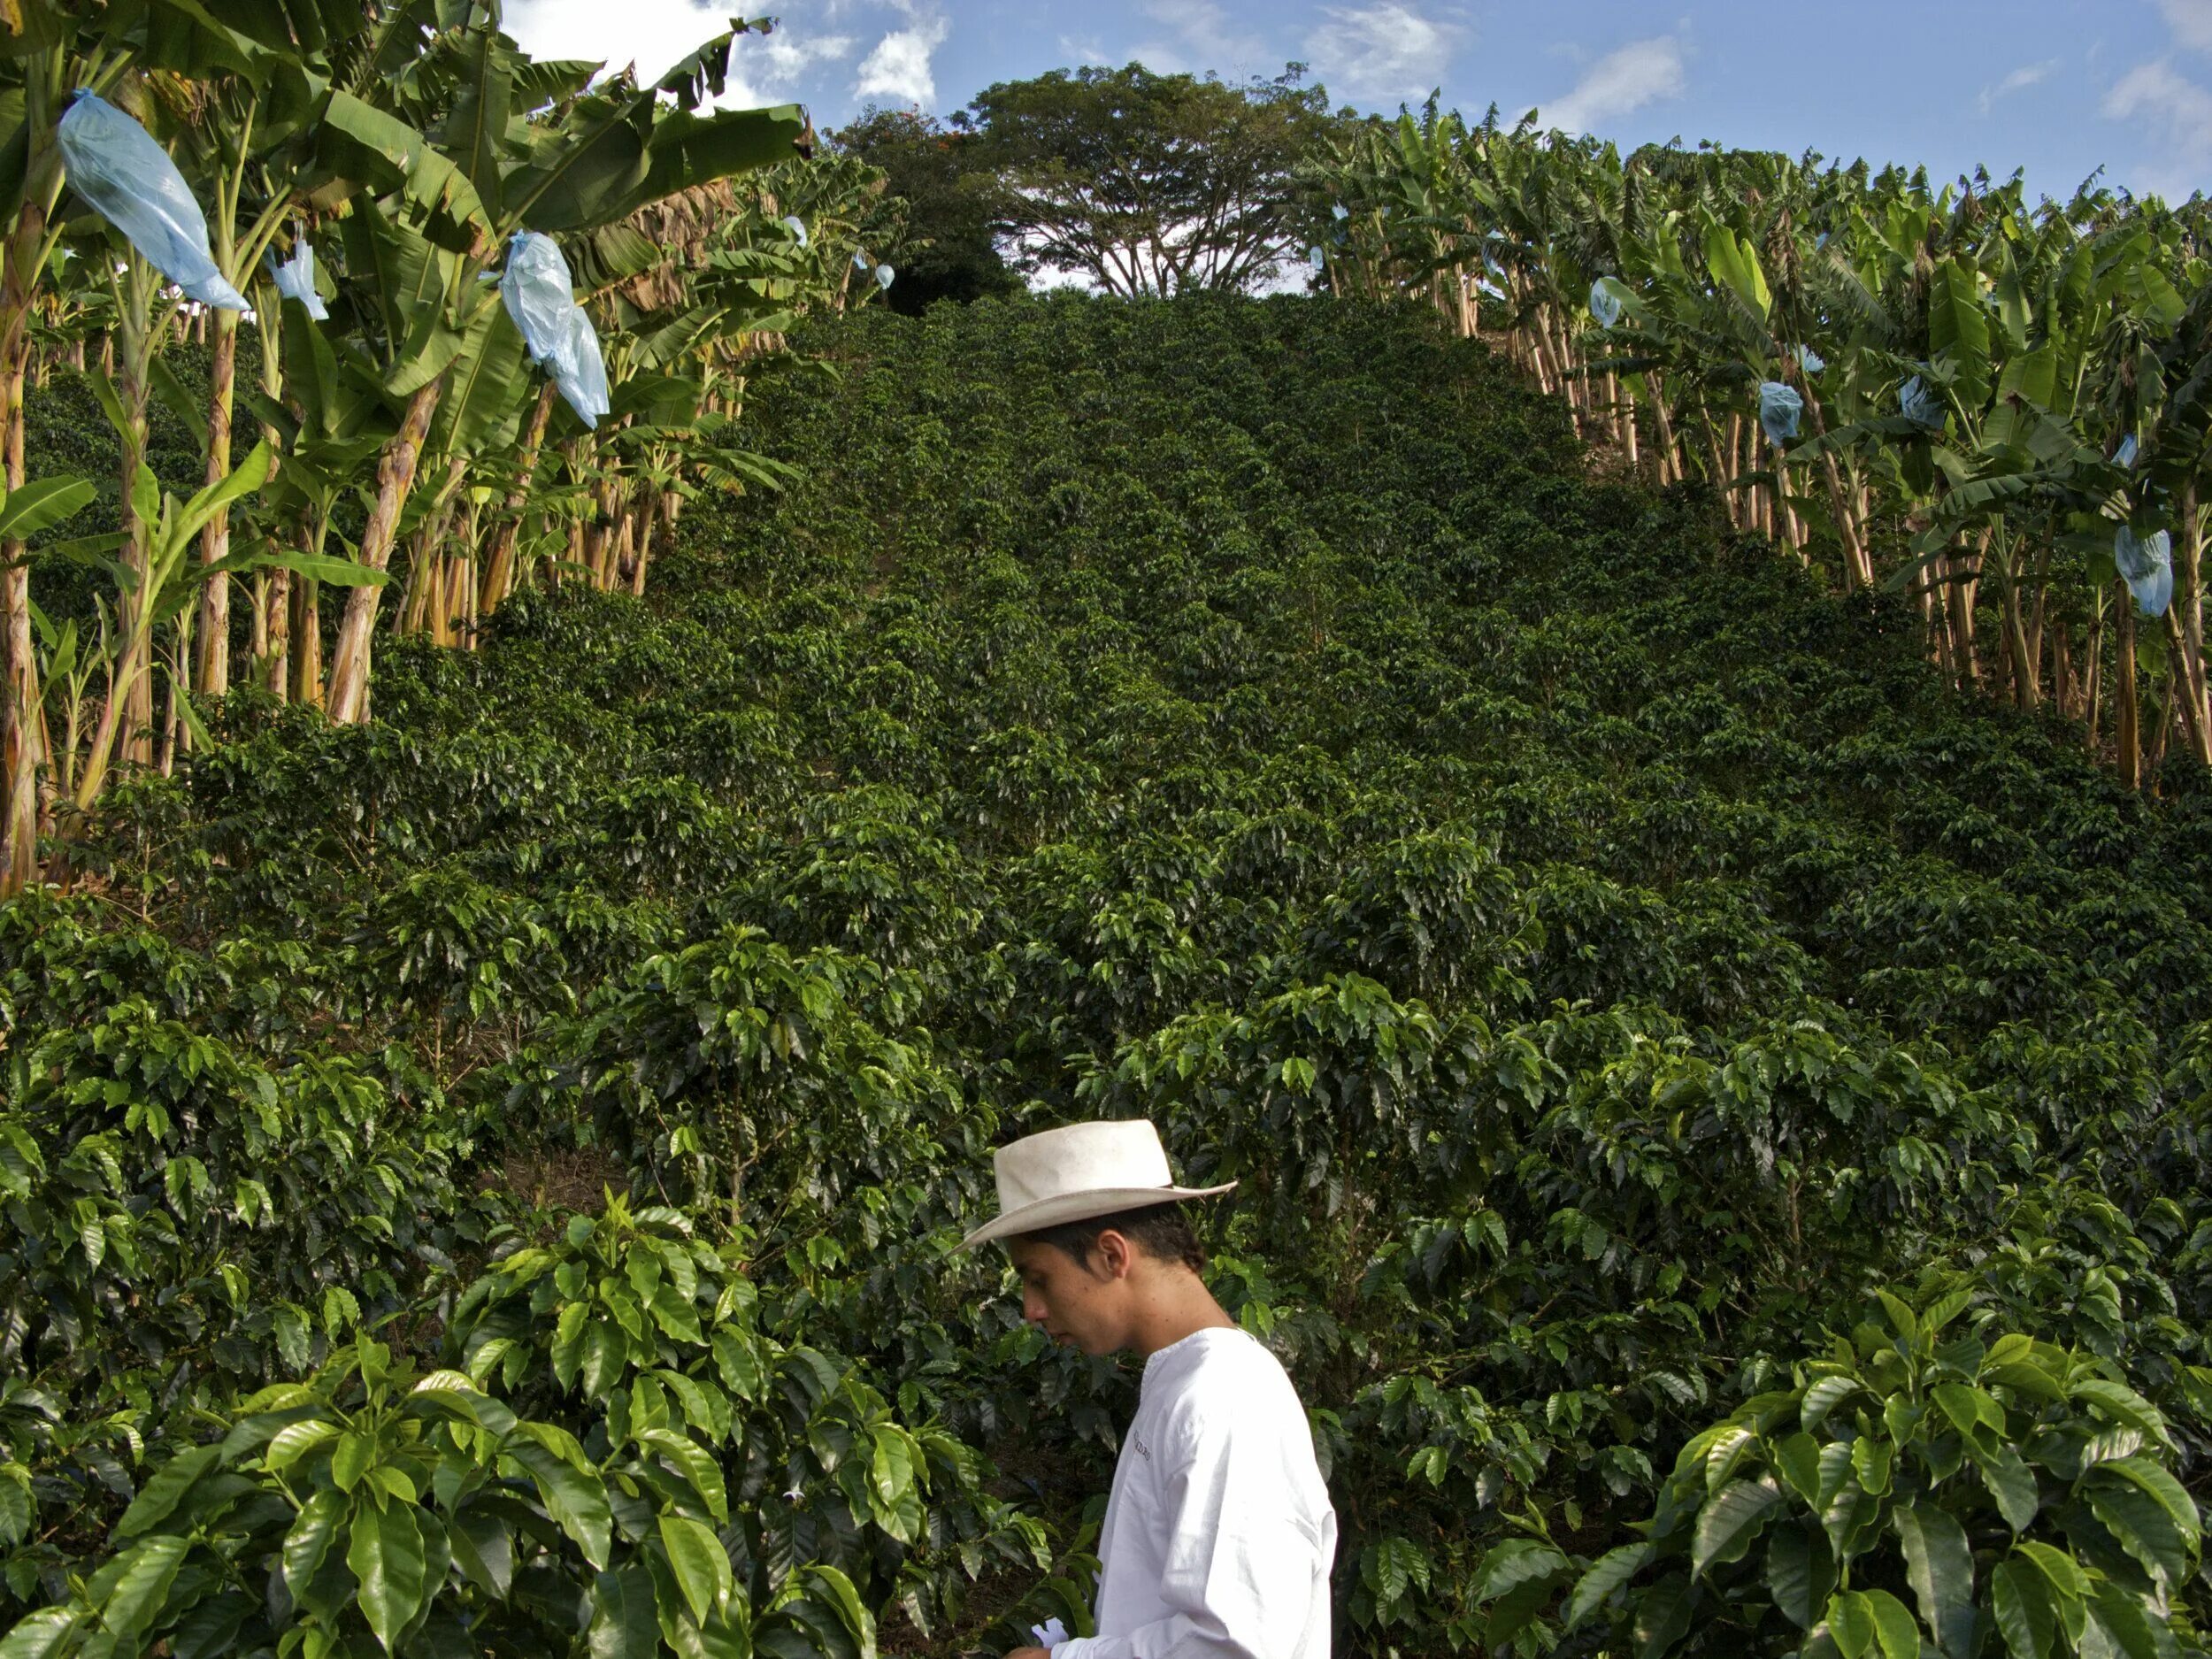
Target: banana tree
244 138
171 532
1965 367
440 210
40 59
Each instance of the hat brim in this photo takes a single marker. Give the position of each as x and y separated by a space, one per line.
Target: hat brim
1104 1201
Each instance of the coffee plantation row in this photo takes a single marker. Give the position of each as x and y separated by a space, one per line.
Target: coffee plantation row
1722 1120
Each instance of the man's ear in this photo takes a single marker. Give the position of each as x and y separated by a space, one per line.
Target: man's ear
1115 1253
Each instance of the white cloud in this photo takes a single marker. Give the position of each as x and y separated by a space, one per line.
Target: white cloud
1619 83
655 33
766 68
2172 112
2191 21
2027 75
1386 53
898 67
1201 38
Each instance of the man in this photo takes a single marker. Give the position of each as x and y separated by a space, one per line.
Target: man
1219 1535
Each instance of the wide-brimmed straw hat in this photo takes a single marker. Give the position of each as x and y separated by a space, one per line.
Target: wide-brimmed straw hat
1079 1171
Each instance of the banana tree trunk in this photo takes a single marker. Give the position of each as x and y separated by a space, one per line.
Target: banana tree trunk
274 647
21 727
2129 715
2027 691
2093 677
1667 459
499 563
644 516
2183 688
307 631
2155 751
2189 600
1965 572
133 737
1742 512
215 676
394 476
425 600
173 734
1858 571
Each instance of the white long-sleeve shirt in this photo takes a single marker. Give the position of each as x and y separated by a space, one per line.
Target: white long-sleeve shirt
1219 1535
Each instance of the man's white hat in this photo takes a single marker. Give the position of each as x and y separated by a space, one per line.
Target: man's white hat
1076 1172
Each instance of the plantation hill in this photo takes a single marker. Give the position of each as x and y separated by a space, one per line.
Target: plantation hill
1721 1119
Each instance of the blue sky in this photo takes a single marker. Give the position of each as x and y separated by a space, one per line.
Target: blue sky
2057 86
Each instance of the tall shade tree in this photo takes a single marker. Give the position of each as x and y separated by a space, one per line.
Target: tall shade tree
1144 183
947 251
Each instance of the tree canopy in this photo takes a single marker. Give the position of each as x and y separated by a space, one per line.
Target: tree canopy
947 251
1145 183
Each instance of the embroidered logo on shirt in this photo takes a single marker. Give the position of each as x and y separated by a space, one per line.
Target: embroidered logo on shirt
1137 1441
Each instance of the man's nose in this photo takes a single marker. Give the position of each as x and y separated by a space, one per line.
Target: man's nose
1033 1307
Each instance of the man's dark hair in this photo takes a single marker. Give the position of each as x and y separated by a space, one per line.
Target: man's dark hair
1161 1231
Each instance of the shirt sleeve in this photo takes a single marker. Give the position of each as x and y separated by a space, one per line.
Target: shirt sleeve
1241 1562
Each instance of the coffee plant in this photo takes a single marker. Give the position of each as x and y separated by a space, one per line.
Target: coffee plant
1721 1119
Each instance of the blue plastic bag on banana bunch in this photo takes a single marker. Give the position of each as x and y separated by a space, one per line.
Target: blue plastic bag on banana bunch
2125 455
1606 303
1314 256
537 291
1919 404
885 276
2147 566
1809 359
295 280
796 226
1779 406
579 371
128 180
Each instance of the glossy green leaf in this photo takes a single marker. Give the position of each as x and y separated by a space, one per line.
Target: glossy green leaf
576 1500
1606 1577
307 1544
1940 1567
1800 1572
2011 1483
2021 1600
483 1548
42 504
142 1588
623 1622
1958 329
384 1549
701 1566
1730 1520
161 1494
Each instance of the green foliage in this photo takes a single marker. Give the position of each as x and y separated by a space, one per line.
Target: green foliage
1602 955
947 251
1143 183
1924 1488
370 1508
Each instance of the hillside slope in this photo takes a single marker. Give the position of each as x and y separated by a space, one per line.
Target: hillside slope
1601 956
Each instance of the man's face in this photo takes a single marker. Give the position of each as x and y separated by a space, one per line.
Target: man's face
1085 1306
